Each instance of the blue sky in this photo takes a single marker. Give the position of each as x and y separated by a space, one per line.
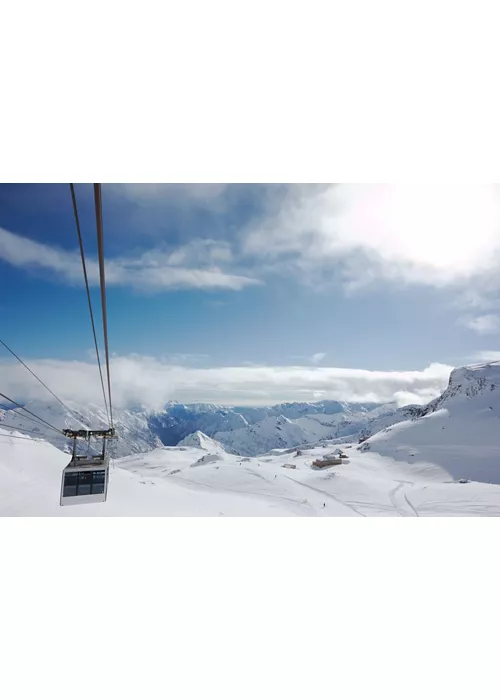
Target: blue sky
271 278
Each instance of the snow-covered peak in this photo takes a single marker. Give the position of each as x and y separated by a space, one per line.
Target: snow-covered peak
468 382
201 441
271 433
459 431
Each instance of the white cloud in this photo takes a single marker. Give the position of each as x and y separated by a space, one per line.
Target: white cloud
356 234
185 358
477 300
196 265
317 357
200 252
487 356
146 193
151 382
483 325
422 396
435 235
152 278
25 253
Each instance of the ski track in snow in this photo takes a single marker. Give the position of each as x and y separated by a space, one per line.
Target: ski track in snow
325 493
163 482
415 511
191 482
401 510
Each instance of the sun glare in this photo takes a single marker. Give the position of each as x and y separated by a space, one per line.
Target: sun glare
450 228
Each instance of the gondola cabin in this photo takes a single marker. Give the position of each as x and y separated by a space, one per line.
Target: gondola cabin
85 479
85 482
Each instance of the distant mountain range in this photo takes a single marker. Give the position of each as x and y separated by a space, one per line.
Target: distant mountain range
240 429
460 429
252 431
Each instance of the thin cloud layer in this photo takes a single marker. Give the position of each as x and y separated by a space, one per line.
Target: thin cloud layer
194 266
22 252
489 323
208 194
317 357
487 356
151 382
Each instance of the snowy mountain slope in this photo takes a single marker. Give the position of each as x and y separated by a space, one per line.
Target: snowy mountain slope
183 481
458 432
320 426
30 482
281 432
201 441
131 426
140 431
366 485
264 436
384 419
296 409
179 420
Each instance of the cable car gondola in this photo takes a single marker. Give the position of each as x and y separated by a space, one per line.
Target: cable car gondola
85 479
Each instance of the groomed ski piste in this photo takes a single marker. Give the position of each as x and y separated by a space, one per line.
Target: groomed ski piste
190 481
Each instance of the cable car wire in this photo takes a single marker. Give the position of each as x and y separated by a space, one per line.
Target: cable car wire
82 254
42 383
17 412
21 430
18 437
100 248
31 413
102 280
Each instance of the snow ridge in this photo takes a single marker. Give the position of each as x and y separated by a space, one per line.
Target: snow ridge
459 431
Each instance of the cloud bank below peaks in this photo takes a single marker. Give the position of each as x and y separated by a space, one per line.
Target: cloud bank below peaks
148 381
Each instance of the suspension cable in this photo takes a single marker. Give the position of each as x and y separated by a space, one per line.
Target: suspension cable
42 383
18 413
100 247
35 439
21 430
31 413
82 254
18 437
